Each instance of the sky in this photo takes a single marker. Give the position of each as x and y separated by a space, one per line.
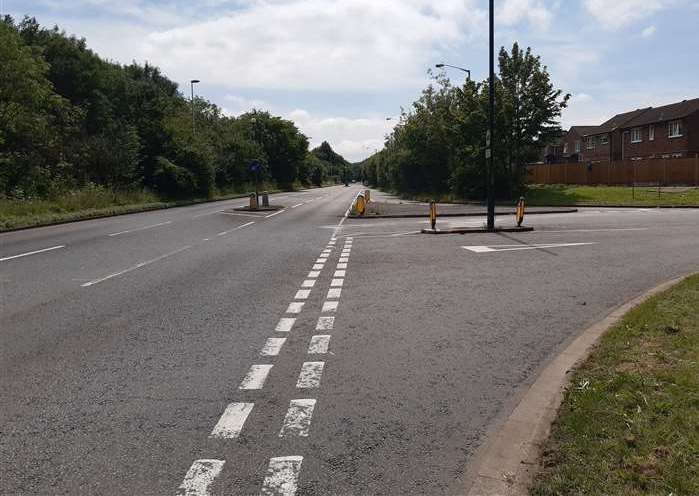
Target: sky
340 68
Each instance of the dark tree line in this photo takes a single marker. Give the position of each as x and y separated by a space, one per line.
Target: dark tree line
439 145
69 120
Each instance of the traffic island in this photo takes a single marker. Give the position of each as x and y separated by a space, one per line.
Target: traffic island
477 230
269 208
259 202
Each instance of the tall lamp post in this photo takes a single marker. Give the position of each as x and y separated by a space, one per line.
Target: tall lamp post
491 133
192 83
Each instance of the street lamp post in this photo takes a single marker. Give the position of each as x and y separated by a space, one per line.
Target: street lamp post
467 71
192 83
491 133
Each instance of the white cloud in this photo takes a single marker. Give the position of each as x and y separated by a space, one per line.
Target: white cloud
649 31
620 13
315 44
353 138
513 12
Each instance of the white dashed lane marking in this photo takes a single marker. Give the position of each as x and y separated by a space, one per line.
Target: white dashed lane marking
295 307
285 324
342 265
302 294
310 375
339 273
199 477
319 344
329 306
308 283
256 377
232 421
282 476
273 346
313 274
298 418
337 283
325 323
32 253
343 259
334 293
318 266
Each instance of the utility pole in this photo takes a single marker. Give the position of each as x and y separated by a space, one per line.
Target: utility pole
192 83
490 140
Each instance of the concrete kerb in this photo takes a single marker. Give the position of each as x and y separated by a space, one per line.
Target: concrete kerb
463 214
476 230
506 464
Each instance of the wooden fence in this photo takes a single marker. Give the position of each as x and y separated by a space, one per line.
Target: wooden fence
666 172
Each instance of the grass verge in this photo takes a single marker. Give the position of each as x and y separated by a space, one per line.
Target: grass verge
612 195
88 204
629 422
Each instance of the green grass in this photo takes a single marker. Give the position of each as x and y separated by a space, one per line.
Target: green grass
88 204
629 422
611 195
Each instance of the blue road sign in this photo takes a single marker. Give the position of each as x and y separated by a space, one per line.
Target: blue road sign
255 166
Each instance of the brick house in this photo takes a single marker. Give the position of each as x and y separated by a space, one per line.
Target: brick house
568 147
670 131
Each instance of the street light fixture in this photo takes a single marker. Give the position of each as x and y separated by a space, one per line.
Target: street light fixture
192 83
467 71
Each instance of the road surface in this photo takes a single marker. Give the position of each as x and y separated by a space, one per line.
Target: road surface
195 351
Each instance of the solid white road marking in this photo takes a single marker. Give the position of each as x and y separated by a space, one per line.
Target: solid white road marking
336 283
342 265
231 422
308 283
319 344
273 346
199 477
498 248
295 307
32 253
285 324
137 266
339 273
313 274
310 375
298 418
256 377
140 229
329 306
325 323
282 476
302 294
318 266
334 293
275 213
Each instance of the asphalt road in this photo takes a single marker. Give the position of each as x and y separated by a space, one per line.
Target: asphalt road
188 351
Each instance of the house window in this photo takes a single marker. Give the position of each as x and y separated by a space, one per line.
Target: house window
604 140
674 129
577 147
651 133
590 142
636 135
565 148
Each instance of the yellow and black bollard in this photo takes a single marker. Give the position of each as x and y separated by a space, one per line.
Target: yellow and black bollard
520 211
360 204
253 201
433 215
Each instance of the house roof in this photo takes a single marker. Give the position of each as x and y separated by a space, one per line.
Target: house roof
583 130
619 120
645 116
665 113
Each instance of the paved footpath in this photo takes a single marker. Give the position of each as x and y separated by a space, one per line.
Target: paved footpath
197 351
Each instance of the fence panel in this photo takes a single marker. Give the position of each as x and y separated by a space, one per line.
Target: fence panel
669 172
